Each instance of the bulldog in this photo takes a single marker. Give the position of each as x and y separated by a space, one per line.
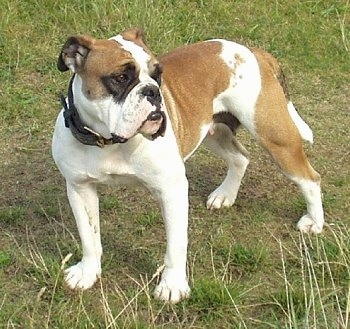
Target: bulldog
133 117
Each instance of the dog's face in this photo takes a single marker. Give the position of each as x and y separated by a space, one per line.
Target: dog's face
116 84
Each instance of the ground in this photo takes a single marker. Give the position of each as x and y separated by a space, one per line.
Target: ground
248 266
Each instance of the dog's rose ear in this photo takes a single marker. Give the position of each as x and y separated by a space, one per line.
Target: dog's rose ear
74 53
136 35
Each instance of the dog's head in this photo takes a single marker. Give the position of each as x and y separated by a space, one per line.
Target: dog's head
116 84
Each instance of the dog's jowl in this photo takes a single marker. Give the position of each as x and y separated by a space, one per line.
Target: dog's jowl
131 117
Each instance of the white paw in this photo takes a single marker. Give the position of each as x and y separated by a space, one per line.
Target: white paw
220 198
307 225
82 275
172 289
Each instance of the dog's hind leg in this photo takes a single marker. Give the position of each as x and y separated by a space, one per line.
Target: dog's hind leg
222 141
292 160
281 138
279 129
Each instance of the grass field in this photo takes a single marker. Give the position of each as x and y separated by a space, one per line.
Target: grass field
248 266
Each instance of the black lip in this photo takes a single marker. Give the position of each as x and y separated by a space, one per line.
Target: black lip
118 139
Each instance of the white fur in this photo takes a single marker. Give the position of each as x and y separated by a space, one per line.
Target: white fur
137 52
85 166
313 221
158 166
106 116
101 115
239 99
245 85
304 130
225 195
133 162
221 143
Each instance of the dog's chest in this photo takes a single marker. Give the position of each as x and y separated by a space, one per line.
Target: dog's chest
111 167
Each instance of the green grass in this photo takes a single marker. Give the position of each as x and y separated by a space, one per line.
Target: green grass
248 266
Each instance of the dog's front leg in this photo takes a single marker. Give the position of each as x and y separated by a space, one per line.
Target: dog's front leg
174 203
84 203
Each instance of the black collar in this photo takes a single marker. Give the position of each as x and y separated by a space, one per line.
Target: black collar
79 130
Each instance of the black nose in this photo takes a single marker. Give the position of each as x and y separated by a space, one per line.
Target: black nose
154 116
152 93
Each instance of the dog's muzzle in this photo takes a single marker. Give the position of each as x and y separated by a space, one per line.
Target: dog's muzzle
153 118
153 96
144 114
152 93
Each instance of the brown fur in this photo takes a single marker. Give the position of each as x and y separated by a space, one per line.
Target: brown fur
275 67
94 68
88 60
183 71
138 37
275 128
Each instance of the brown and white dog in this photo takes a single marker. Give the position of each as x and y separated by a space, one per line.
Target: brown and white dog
131 117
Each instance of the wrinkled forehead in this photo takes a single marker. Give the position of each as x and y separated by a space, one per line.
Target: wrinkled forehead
108 56
139 54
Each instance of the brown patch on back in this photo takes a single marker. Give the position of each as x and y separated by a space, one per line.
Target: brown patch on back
275 129
239 59
277 71
193 76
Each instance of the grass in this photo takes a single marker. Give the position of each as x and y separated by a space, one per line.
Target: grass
248 266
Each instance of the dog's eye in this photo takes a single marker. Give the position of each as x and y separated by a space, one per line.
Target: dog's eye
120 78
118 83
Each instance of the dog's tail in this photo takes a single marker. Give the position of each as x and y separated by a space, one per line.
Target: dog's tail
304 130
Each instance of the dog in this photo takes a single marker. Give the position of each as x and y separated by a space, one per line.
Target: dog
133 117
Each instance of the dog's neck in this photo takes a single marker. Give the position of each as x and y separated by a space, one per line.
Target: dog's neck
78 128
